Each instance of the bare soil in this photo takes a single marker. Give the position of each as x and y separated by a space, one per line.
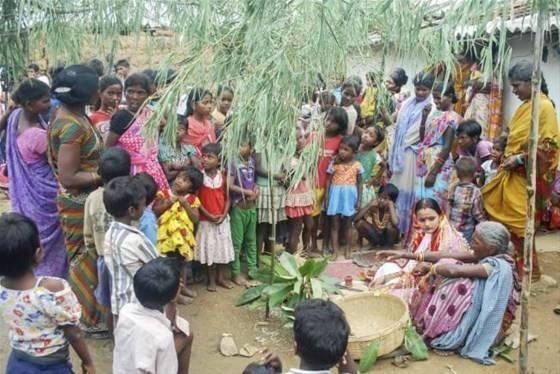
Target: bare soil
214 313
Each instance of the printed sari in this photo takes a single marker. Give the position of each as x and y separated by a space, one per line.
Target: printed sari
403 158
69 128
505 196
470 315
428 152
479 110
397 275
143 152
33 190
495 110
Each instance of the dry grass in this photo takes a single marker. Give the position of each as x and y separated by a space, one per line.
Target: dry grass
142 51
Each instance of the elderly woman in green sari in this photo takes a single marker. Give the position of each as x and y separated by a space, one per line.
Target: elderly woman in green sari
466 301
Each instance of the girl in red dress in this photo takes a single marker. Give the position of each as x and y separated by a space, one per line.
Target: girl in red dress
214 245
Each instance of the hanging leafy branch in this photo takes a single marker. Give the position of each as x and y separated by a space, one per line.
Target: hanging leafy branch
269 51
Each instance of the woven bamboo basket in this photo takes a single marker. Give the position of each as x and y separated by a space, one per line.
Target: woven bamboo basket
381 318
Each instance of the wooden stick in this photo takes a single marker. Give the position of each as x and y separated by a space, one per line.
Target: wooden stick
272 237
531 170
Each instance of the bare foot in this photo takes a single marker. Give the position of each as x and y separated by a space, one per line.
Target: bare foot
337 257
225 284
239 280
184 300
188 292
314 254
211 287
252 283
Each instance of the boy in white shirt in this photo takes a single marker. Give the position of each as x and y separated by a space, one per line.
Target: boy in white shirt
320 349
147 340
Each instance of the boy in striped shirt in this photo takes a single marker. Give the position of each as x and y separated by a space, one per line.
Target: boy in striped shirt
126 247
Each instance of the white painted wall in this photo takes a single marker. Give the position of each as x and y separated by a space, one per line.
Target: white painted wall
522 49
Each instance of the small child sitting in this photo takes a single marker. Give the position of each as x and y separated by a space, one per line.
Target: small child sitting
146 339
318 348
465 208
126 247
178 212
114 162
148 221
42 313
382 228
490 167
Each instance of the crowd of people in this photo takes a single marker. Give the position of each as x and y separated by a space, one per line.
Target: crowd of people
111 223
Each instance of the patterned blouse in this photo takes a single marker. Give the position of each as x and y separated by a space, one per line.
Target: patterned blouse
345 174
36 317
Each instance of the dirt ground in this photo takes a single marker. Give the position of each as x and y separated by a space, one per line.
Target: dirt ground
214 313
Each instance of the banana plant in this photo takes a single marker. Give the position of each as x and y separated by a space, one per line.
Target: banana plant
286 284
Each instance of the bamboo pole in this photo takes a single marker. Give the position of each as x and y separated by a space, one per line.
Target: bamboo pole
272 237
531 170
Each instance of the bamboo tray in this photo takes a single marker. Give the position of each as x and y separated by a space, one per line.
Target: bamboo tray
381 318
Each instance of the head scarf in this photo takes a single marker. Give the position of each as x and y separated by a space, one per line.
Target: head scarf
76 84
445 238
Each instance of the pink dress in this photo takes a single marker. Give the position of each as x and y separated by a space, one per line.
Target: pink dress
143 154
300 198
199 133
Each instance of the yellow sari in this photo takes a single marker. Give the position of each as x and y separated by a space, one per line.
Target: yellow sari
369 103
461 73
505 197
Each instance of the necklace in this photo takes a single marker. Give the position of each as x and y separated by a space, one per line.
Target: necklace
380 222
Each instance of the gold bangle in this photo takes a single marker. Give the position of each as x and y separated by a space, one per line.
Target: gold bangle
433 269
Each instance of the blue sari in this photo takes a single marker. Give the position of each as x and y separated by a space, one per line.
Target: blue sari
403 158
33 191
482 323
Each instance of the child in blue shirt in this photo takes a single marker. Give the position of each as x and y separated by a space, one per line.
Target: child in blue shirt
148 222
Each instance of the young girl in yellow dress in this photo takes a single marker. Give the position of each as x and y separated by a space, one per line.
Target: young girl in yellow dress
177 211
